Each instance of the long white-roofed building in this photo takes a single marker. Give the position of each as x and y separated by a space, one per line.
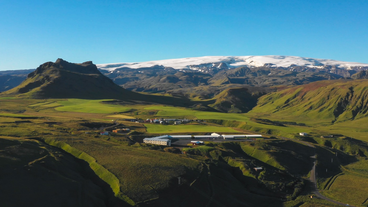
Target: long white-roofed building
160 140
167 139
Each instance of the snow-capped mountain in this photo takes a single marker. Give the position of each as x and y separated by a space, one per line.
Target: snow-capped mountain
228 62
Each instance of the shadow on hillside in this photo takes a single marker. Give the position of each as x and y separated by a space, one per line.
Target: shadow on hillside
87 173
35 174
111 201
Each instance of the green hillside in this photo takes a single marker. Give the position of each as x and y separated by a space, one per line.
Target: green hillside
318 102
68 80
236 100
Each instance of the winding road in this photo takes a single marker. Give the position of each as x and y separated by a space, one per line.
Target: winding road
313 179
313 176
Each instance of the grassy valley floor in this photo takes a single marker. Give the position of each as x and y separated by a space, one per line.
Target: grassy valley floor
148 174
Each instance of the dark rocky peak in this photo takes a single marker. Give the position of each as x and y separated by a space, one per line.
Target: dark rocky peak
60 64
87 63
60 61
222 65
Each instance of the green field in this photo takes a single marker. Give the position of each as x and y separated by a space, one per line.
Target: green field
186 128
356 128
89 106
15 115
6 98
349 188
360 167
178 112
119 116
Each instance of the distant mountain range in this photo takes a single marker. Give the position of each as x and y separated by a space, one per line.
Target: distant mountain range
206 77
230 90
207 63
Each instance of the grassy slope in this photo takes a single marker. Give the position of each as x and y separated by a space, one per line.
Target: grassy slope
317 103
46 176
326 107
141 172
235 100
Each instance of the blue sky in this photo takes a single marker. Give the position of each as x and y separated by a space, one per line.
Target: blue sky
110 31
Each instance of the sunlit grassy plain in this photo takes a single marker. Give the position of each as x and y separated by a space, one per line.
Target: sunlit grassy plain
61 120
352 185
89 106
187 128
349 188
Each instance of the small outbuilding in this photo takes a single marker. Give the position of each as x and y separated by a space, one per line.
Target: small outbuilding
258 169
197 142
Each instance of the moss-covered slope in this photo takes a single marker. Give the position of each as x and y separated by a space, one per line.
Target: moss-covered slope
330 101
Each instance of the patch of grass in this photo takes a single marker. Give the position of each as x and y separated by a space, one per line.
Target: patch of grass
261 155
90 106
178 112
7 98
186 128
343 186
355 128
306 201
15 115
120 116
200 150
360 167
46 104
289 131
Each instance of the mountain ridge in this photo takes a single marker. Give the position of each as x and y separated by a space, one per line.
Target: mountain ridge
227 62
61 79
330 101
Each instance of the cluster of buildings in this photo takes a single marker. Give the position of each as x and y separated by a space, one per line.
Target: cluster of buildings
168 121
161 121
167 139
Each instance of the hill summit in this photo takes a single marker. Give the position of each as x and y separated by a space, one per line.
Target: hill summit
62 79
